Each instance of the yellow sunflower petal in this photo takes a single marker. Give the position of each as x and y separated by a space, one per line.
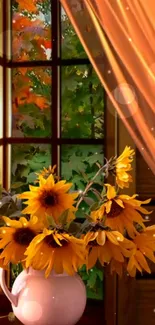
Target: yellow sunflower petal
92 258
43 181
108 205
133 264
111 192
112 237
118 235
149 254
116 252
101 238
12 223
105 254
50 266
142 261
119 202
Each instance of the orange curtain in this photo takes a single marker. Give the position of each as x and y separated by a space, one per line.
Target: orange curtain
119 39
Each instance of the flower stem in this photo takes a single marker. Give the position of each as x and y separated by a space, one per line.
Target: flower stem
101 169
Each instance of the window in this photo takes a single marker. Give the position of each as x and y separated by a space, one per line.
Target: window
52 106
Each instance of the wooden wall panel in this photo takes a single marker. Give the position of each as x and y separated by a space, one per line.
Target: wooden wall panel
145 302
145 180
126 306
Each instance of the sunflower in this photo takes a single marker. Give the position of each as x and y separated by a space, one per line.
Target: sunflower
121 212
106 246
60 252
45 172
145 247
128 247
123 166
49 198
16 236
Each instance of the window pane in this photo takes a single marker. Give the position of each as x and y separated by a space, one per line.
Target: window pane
31 102
31 30
76 162
82 103
26 160
71 46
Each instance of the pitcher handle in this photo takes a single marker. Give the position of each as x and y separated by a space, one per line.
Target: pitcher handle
12 298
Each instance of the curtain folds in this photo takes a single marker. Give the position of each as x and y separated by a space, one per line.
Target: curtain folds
119 39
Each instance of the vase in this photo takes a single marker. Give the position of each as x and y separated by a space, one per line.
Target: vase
58 300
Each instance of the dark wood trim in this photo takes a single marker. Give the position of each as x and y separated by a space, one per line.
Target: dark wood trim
4 176
49 63
49 140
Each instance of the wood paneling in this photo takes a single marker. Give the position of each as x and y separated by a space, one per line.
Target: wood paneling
145 180
145 302
126 306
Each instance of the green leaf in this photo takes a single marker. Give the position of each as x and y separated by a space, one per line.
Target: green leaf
92 278
24 171
63 217
100 274
31 177
89 200
15 214
67 171
76 163
51 221
17 185
79 182
94 158
94 206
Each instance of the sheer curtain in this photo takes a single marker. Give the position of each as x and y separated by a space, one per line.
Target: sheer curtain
119 39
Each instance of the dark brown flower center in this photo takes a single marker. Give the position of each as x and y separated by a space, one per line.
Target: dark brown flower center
115 210
49 199
24 236
93 243
49 240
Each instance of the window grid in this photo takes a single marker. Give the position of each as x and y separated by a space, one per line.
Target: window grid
56 63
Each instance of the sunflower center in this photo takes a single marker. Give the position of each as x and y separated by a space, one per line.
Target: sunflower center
115 210
24 236
49 199
93 243
49 240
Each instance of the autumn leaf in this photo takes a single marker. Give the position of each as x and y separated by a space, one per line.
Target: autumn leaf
43 76
40 101
22 71
19 22
21 84
23 57
27 5
47 44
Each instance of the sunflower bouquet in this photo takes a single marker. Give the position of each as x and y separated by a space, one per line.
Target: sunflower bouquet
46 235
